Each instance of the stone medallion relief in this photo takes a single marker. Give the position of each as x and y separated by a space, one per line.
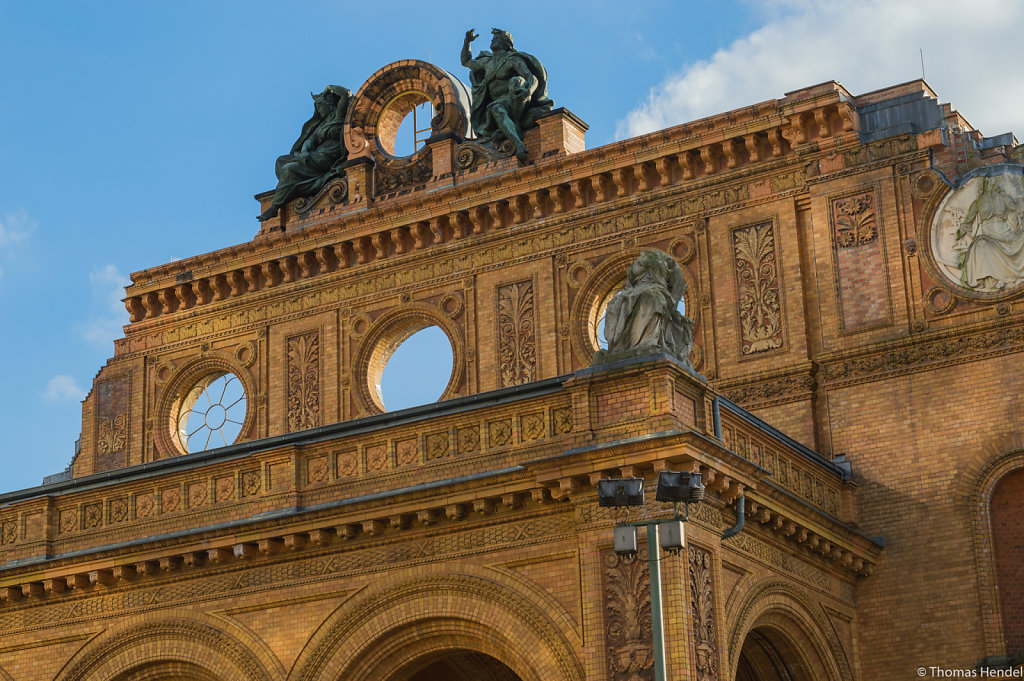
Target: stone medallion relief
977 234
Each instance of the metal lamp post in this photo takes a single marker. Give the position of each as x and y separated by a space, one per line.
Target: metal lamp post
673 487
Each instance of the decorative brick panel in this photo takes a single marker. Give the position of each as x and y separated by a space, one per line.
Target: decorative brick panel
377 458
702 605
347 464
627 617
759 294
468 440
303 381
862 285
112 424
318 470
517 340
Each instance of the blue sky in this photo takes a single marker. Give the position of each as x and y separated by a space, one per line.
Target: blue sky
132 133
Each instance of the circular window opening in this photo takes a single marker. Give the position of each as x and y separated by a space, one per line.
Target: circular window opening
404 124
212 413
414 369
596 325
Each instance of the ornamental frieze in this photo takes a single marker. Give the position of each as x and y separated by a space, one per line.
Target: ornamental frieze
275 576
947 349
776 390
881 150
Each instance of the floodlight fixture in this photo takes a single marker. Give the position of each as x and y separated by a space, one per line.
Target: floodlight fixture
625 540
612 492
671 535
680 487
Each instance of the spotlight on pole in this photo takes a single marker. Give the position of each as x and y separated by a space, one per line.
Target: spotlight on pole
671 535
680 487
625 540
618 492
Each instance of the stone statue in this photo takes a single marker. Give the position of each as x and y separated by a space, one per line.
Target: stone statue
510 91
317 155
990 240
642 318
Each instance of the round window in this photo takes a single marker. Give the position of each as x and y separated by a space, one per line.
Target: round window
418 370
404 124
212 413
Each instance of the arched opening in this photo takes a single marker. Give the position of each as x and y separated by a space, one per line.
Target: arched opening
456 665
405 124
1005 511
212 413
417 371
183 646
768 655
464 627
168 671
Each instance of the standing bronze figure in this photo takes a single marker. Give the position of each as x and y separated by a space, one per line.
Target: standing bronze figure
510 91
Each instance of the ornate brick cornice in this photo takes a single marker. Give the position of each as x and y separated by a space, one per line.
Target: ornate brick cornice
923 352
770 388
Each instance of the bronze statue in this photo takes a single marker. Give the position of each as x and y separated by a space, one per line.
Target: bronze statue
317 155
642 318
510 91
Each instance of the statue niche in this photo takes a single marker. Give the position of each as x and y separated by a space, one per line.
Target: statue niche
510 91
318 154
642 318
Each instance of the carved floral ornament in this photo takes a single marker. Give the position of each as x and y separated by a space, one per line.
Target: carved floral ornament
759 291
303 380
977 233
517 339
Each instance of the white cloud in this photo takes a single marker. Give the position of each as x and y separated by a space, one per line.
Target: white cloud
973 58
63 387
15 229
108 312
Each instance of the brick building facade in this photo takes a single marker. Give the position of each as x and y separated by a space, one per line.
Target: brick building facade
857 386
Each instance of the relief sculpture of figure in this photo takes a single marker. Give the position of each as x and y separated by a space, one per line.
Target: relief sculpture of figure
510 91
317 155
643 317
990 240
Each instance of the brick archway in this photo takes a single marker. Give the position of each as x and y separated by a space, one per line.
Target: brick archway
975 494
399 629
1005 509
175 647
775 624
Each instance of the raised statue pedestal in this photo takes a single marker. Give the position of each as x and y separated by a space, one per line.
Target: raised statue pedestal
558 132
